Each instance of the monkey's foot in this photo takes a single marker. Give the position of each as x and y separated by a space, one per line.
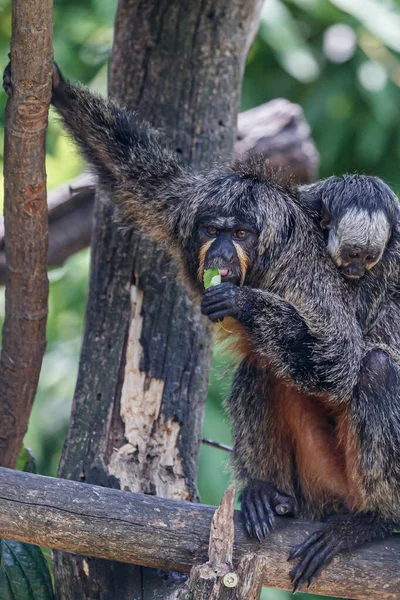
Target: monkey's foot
260 503
341 532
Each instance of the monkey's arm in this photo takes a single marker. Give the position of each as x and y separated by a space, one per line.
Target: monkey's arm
145 180
319 353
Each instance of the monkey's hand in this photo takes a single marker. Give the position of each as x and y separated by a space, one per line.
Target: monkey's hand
57 78
261 501
7 85
341 532
225 300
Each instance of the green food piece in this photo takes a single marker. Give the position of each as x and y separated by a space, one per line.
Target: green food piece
211 277
216 280
26 461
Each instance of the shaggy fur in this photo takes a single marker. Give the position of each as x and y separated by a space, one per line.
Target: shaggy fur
299 407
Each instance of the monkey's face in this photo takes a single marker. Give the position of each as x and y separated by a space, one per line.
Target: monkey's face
228 245
357 240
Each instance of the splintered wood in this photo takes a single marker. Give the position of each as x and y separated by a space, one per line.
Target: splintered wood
217 579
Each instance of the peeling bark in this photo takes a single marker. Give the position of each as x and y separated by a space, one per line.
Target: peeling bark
25 215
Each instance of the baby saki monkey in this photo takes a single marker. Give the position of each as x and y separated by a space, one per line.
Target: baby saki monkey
361 221
358 214
308 432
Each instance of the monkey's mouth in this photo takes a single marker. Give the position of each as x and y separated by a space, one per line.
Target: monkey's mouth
352 272
227 274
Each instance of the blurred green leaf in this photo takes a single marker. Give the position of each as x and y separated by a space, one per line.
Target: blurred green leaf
381 18
23 572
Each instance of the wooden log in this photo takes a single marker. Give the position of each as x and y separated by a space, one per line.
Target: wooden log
171 534
276 130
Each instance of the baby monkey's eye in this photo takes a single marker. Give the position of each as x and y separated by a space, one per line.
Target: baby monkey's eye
371 257
241 234
211 230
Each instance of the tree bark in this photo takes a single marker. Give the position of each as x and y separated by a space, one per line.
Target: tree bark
169 534
25 214
143 374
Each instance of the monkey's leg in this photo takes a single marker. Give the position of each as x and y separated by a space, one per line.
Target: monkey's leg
261 459
372 448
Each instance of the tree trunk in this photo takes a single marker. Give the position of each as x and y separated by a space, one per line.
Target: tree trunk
142 381
25 217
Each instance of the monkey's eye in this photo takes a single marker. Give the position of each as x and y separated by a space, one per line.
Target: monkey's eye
241 234
211 231
353 254
371 257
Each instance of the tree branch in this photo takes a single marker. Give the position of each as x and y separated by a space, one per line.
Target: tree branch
170 534
25 210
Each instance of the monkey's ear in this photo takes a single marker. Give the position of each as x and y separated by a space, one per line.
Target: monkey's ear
326 222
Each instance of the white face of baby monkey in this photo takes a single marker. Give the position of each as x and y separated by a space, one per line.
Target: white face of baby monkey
359 232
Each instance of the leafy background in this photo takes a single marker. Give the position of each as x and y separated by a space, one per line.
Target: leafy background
339 59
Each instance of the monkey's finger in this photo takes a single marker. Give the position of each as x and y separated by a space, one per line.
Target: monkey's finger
214 300
220 288
210 298
216 303
263 514
214 317
7 80
269 513
298 550
252 516
247 521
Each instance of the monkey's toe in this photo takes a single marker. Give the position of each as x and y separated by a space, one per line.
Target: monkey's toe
260 503
316 553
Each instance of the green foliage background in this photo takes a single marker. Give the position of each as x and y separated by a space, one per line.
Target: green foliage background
351 102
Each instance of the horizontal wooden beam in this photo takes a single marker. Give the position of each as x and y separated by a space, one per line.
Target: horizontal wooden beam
169 534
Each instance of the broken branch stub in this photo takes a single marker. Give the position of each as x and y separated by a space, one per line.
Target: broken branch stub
217 579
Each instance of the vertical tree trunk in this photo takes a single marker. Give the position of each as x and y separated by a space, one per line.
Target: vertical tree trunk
143 374
25 215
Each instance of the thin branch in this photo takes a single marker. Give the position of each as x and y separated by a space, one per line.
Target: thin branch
170 534
25 210
216 445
